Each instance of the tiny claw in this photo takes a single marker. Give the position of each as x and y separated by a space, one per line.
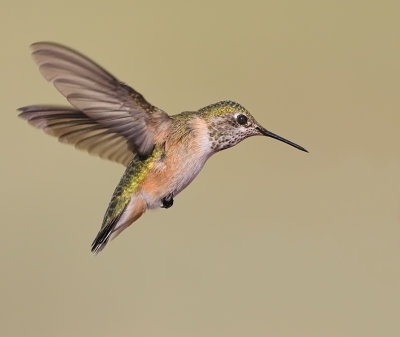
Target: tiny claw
167 201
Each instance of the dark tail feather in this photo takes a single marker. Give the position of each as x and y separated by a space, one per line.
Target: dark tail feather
102 238
104 234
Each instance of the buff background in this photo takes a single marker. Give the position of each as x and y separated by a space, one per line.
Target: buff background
267 241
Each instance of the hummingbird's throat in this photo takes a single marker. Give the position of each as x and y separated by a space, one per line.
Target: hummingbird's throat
224 133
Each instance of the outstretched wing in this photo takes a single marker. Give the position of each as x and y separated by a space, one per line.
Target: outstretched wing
111 104
72 126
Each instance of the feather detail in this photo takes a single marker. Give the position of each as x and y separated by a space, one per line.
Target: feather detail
72 126
99 95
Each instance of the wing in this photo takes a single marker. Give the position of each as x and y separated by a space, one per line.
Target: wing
91 89
74 127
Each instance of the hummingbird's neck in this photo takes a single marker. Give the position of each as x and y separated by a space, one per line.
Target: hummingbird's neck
191 130
202 136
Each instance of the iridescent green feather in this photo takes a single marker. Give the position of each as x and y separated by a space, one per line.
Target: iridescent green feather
134 175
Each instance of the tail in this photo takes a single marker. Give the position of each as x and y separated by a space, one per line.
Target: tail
104 234
113 226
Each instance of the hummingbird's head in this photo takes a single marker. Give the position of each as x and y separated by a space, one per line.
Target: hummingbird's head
229 123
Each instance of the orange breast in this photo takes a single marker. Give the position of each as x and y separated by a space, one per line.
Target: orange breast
181 163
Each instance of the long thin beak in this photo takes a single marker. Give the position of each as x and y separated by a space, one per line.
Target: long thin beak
273 135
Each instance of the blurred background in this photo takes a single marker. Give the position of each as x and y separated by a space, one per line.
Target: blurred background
268 240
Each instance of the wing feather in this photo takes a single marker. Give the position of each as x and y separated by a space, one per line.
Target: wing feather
100 96
72 126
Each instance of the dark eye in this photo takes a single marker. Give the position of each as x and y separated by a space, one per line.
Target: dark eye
241 119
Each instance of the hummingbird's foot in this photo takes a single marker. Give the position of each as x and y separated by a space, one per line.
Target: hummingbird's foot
167 201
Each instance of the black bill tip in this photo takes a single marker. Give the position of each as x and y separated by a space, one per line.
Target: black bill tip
267 133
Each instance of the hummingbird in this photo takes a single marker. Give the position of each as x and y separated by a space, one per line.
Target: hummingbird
162 153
